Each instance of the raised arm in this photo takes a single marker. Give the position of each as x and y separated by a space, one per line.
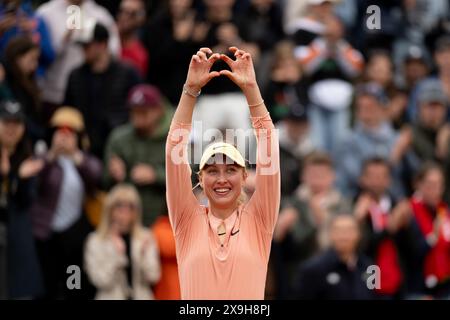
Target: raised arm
265 201
181 201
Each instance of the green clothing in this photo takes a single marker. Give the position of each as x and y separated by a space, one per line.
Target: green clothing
133 149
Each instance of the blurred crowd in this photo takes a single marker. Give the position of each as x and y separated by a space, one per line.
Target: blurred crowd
360 98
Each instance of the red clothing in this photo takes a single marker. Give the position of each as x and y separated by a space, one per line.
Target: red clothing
135 53
168 287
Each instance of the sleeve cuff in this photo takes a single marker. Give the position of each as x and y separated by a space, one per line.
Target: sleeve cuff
263 122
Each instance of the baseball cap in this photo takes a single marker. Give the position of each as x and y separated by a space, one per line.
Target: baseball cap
415 53
144 96
92 31
68 117
431 91
11 110
222 148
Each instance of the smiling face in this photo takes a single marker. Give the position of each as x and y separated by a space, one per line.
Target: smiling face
222 184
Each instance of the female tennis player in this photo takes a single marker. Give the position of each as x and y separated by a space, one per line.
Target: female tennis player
222 248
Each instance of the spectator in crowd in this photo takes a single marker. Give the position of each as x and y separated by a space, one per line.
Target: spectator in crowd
18 18
121 256
99 87
429 137
380 70
304 217
340 273
134 152
169 38
415 68
295 145
329 64
21 61
377 211
286 99
261 23
60 225
432 217
372 136
130 18
69 55
168 287
17 170
286 87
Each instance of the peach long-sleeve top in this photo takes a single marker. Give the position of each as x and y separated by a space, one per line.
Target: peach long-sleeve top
238 269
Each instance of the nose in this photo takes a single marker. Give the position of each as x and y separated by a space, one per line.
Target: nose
221 179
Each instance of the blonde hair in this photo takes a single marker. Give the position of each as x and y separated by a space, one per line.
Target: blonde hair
121 192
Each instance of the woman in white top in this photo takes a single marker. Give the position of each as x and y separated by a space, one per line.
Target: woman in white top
121 257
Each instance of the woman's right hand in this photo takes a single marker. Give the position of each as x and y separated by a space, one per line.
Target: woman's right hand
199 73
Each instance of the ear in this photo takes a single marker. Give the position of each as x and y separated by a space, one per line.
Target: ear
200 179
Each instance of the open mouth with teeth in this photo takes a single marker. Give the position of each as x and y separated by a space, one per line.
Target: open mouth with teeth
222 191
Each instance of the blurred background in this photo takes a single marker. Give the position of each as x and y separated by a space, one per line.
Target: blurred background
359 91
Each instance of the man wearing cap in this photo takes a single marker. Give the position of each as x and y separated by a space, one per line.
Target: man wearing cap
429 137
99 87
295 144
415 67
372 136
135 151
442 60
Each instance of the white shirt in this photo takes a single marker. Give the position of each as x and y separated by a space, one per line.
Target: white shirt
71 197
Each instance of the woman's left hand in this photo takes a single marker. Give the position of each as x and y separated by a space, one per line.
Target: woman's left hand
242 71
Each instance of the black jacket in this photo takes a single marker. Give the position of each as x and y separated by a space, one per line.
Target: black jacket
101 98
